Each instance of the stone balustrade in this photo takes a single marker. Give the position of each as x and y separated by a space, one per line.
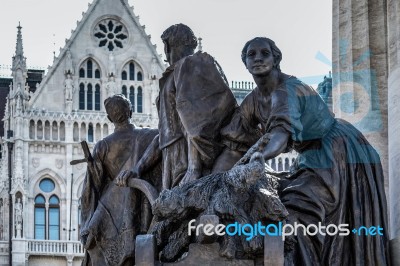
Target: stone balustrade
243 85
283 161
55 248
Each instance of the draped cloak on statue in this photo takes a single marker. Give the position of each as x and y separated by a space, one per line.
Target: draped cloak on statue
194 103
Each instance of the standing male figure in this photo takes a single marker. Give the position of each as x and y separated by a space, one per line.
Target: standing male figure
69 88
111 215
194 103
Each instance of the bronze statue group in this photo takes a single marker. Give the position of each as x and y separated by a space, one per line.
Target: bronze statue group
337 177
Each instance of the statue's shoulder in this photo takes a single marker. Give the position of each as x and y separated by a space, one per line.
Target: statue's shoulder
145 132
198 58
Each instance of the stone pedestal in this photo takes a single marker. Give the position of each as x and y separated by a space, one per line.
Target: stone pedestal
18 252
68 106
19 230
207 254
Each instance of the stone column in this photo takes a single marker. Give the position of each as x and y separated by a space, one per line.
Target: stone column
393 20
359 51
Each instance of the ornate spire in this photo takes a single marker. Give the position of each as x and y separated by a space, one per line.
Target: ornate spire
19 93
19 59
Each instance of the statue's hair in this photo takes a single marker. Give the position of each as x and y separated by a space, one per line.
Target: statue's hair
178 35
118 108
276 52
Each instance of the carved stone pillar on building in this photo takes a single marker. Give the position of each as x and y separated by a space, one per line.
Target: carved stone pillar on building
393 20
366 33
359 57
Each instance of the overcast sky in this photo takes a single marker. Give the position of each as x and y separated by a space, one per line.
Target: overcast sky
301 29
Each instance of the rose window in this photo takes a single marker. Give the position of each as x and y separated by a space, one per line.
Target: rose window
111 34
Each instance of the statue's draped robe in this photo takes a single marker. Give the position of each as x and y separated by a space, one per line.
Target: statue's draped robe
111 214
194 103
337 177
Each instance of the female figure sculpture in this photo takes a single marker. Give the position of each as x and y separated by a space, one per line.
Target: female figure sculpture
337 177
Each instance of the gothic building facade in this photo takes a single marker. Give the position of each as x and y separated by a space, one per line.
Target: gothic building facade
109 52
45 117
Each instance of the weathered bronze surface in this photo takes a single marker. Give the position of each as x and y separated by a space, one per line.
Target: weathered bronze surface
336 179
113 216
194 103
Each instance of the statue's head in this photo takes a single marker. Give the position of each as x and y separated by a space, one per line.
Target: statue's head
179 41
276 52
118 108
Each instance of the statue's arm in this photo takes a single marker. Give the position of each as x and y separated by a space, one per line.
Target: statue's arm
278 140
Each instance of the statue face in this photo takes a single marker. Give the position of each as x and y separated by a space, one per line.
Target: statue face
259 58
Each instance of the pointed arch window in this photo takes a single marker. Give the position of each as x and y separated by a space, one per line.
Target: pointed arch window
132 85
89 69
40 217
39 130
124 76
89 97
47 222
83 131
280 165
132 97
97 98
62 131
131 71
139 100
97 74
54 131
89 93
47 212
81 96
75 132
47 130
97 133
139 76
32 129
81 73
273 164
105 130
287 164
54 218
90 133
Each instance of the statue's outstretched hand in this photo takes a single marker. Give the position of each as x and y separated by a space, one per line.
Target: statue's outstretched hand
124 175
